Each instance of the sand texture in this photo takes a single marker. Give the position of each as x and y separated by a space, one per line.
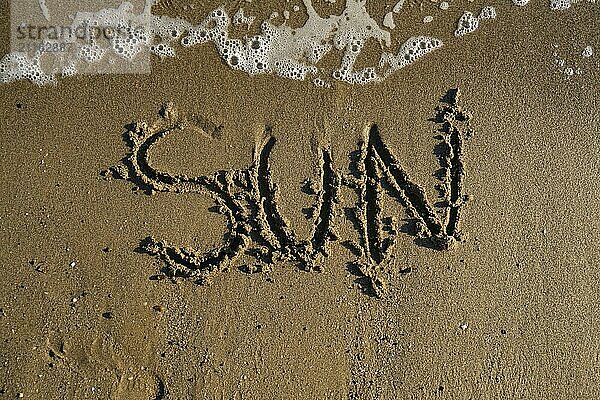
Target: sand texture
200 233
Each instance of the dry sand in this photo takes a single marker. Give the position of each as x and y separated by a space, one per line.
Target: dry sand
509 312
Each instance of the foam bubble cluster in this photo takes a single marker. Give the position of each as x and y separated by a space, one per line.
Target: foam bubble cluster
321 83
488 12
291 53
560 5
132 34
241 19
573 64
90 53
468 22
413 49
18 66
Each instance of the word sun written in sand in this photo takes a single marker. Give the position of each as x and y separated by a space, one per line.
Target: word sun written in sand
256 228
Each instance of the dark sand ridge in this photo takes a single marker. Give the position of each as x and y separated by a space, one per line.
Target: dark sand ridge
523 282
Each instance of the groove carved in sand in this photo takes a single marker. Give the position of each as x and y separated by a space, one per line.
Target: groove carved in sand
249 200
376 165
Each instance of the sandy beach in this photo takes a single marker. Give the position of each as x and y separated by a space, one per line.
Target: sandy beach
310 267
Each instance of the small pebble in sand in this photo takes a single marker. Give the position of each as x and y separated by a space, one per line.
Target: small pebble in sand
72 264
158 308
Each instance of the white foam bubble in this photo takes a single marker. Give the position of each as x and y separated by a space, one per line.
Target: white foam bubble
354 27
587 52
278 49
413 49
292 52
559 5
239 18
488 12
520 3
135 33
319 82
44 9
69 70
18 66
571 64
162 50
388 20
91 53
467 23
398 6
